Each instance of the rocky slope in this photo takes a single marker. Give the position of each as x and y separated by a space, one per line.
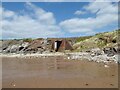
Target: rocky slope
107 42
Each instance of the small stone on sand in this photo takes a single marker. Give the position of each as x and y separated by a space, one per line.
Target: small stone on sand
68 57
106 66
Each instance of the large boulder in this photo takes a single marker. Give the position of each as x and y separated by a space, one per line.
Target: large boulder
111 51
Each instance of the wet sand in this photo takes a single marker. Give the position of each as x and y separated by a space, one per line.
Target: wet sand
57 72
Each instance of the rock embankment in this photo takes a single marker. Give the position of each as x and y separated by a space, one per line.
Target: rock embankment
25 47
96 55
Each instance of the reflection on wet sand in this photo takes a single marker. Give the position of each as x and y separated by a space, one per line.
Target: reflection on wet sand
44 72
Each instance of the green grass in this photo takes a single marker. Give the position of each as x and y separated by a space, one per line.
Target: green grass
27 40
101 44
82 38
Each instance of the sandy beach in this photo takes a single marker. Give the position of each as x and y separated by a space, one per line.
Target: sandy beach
57 72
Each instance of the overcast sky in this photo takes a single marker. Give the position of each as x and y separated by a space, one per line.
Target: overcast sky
60 19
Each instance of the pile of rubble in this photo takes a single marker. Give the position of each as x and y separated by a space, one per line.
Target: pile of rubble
106 55
22 47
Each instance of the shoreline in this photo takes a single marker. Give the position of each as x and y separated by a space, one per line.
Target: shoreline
27 55
69 56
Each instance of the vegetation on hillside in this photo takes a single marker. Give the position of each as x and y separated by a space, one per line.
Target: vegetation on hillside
100 40
27 40
79 39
